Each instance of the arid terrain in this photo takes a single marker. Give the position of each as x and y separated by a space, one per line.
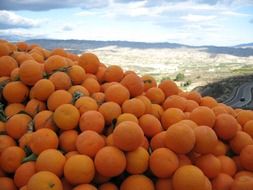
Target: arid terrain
197 66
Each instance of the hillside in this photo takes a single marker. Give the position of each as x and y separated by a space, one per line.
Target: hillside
223 89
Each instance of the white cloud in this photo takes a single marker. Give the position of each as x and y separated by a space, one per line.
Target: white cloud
234 13
20 34
10 19
198 18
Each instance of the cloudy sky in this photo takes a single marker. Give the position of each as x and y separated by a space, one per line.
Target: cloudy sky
193 22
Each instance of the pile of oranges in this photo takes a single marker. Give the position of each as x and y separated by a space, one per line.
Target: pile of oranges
71 122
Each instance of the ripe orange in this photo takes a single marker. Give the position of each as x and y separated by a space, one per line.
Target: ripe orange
163 162
188 177
44 180
175 138
128 136
79 169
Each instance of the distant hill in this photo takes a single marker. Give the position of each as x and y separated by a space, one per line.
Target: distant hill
247 45
78 46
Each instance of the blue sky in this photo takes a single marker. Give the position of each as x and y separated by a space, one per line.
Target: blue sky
193 22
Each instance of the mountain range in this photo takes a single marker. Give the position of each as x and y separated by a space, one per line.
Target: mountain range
78 46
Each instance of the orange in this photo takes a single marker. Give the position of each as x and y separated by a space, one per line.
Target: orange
134 84
149 82
85 104
43 139
137 182
147 103
44 180
92 120
67 140
157 110
15 92
100 73
242 183
25 140
16 126
209 164
239 141
171 116
113 73
4 49
89 62
99 97
91 85
110 111
150 125
89 143
243 173
58 51
163 162
158 140
54 62
190 105
66 116
117 93
7 64
78 90
244 116
188 177
22 46
225 126
137 161
60 80
163 184
128 136
30 72
34 106
206 139
134 106
220 149
203 116
44 119
127 117
43 89
7 183
85 187
175 101
169 87
248 128
175 138
50 160
227 165
76 74
108 186
79 169
246 157
208 101
222 181
12 109
188 122
220 110
110 161
156 95
195 96
183 160
11 158
58 98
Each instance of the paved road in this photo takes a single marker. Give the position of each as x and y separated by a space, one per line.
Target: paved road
241 97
